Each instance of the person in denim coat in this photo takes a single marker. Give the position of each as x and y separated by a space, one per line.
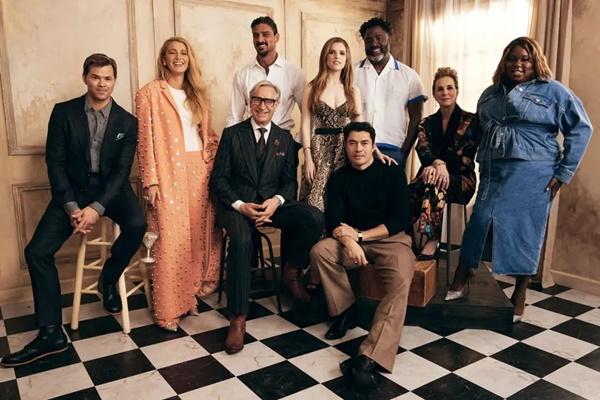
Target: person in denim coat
522 165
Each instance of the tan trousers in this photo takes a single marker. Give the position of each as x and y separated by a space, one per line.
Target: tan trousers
394 261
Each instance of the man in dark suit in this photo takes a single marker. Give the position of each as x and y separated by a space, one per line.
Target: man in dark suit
254 184
89 150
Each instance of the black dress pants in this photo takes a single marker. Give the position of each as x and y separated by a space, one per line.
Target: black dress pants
301 226
54 229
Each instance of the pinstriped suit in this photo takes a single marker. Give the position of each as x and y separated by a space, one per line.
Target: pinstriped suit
239 175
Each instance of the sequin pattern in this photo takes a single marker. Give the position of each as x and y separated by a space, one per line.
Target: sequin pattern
327 152
188 251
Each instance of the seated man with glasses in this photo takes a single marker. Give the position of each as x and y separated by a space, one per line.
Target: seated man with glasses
254 184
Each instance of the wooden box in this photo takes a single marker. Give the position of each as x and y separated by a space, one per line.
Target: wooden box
422 288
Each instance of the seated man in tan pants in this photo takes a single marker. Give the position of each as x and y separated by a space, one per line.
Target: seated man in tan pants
367 215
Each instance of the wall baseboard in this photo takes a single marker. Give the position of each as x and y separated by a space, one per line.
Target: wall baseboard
24 293
577 282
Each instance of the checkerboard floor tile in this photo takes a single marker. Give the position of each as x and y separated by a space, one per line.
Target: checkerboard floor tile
553 354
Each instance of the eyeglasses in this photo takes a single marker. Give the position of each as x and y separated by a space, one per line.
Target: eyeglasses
255 101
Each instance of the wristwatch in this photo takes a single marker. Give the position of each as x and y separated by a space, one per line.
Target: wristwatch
360 237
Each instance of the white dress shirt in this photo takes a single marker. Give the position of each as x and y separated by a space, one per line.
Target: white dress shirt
255 128
385 98
287 77
191 138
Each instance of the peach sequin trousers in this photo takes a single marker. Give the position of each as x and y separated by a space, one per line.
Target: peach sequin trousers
188 250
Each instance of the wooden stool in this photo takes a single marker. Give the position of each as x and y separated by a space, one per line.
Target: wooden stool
448 250
130 273
260 265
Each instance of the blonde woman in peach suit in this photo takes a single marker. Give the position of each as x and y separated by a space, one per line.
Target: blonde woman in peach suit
175 152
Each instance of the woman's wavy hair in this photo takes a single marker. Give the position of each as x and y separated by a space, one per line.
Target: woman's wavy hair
317 85
540 64
196 91
443 72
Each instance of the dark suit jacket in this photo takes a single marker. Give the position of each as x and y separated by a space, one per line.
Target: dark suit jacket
68 151
235 174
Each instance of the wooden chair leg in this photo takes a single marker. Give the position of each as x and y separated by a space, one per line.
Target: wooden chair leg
78 282
147 289
448 241
124 304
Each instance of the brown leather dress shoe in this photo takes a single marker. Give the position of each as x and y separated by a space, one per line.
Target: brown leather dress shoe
235 337
291 279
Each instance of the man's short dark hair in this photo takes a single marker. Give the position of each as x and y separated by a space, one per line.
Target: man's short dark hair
99 60
265 20
372 23
359 127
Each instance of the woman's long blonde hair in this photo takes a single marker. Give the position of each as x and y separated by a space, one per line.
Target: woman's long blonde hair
195 91
317 85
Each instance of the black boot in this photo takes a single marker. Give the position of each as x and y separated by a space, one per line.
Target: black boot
346 320
110 297
360 370
50 340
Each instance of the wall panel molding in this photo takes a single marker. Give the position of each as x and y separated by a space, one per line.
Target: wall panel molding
13 129
28 197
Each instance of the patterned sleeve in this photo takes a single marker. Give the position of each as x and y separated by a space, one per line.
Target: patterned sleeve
423 147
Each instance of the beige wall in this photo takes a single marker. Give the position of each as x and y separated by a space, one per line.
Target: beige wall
576 258
40 64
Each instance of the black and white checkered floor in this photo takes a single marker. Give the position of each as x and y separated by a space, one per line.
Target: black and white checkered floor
553 354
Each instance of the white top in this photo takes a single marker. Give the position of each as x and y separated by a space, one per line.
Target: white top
288 78
385 98
191 138
238 203
256 126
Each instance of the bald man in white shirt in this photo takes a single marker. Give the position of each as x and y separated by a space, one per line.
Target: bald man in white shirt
392 93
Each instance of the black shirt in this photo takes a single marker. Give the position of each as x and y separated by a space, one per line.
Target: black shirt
368 198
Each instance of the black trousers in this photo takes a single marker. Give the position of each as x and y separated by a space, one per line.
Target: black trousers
55 228
301 226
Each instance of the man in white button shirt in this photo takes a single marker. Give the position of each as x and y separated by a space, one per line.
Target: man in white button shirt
270 66
392 93
254 184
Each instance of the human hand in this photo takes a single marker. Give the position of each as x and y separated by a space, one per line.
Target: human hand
442 176
152 195
387 160
74 217
345 230
553 186
429 175
251 210
86 220
355 254
309 170
269 206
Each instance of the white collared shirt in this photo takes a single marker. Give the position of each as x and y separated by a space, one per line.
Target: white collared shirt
255 126
385 98
191 138
288 78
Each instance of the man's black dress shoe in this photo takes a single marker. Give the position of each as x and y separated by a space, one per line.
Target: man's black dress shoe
360 371
110 297
341 324
50 340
